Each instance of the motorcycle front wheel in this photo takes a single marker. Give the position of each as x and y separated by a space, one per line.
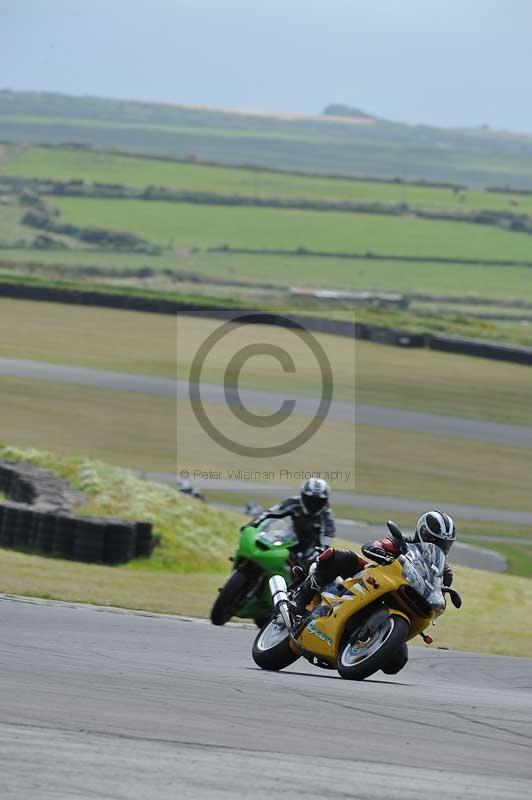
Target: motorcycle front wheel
271 648
359 659
230 598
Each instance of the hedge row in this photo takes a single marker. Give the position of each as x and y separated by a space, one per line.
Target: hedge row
48 529
367 256
99 236
509 220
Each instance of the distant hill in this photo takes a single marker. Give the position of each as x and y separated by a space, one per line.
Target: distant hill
339 110
350 142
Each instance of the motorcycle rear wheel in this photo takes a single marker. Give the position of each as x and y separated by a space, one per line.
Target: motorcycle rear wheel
271 648
358 660
230 598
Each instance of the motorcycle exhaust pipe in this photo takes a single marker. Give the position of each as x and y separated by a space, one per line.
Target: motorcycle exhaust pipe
279 595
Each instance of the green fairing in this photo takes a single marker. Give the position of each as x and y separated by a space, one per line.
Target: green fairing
267 547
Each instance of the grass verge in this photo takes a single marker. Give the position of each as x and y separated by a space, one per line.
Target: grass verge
518 556
494 618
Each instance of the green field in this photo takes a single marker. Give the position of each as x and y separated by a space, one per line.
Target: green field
191 225
179 228
459 280
64 164
373 147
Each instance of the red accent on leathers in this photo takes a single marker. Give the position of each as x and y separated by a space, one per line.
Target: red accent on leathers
387 545
326 554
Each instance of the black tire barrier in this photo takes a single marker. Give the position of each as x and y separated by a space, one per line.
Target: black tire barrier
42 522
9 523
22 490
44 531
63 537
25 483
23 528
2 511
7 475
482 349
89 538
119 544
144 539
395 337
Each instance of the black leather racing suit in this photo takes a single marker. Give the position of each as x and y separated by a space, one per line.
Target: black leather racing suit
345 563
312 531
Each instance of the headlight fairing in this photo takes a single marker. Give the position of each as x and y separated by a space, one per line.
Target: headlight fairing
413 577
429 587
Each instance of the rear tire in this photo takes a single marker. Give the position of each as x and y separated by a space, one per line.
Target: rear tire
271 648
358 660
230 598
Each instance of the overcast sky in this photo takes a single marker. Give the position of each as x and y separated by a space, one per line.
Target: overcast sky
446 62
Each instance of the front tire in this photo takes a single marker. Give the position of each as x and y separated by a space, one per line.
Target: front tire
261 621
230 598
360 659
271 648
396 662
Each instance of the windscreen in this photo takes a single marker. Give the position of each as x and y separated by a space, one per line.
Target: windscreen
423 565
273 531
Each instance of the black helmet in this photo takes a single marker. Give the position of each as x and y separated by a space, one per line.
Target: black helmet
436 527
314 495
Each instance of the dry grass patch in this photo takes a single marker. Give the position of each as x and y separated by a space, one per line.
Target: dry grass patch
156 344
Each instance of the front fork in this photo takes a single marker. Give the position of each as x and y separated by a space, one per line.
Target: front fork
281 604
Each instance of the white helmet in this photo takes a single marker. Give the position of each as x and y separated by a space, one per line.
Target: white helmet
314 495
436 527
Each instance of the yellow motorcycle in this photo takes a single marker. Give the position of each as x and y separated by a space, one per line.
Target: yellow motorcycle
359 625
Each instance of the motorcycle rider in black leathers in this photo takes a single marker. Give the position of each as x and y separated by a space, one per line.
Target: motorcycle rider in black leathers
433 526
311 516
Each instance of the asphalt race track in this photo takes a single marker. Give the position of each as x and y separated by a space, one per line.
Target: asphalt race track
111 705
513 435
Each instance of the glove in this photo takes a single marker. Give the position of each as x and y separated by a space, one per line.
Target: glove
251 524
304 556
378 554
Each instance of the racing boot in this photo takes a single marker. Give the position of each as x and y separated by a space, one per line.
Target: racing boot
305 593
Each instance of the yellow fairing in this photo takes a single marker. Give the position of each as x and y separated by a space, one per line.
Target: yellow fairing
323 634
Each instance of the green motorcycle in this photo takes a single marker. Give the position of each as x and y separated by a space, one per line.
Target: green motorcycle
262 552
